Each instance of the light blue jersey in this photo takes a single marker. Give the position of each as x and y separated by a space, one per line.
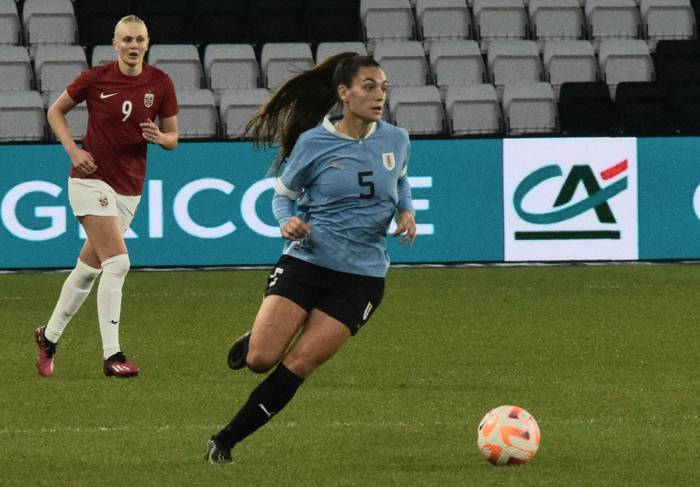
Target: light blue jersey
347 190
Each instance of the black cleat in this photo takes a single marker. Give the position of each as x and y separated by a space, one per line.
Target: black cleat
217 453
238 353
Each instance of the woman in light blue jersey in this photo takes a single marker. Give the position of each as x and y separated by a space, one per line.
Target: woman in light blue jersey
341 181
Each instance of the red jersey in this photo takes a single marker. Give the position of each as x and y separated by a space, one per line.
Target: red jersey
117 104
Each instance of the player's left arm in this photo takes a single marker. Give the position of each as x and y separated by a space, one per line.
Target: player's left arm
165 136
405 218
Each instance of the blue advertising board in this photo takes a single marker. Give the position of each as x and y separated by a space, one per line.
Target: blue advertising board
208 204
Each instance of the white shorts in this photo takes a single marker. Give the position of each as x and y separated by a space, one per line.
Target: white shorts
95 197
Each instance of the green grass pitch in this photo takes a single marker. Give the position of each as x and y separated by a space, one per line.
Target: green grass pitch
605 357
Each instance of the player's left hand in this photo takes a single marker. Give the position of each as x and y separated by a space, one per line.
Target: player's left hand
406 227
151 132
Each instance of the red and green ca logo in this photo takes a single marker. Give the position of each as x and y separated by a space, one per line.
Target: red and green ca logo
563 209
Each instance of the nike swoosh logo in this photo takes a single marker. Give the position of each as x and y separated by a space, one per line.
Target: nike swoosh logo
103 96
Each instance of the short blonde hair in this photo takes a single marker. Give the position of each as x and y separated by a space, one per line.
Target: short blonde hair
128 20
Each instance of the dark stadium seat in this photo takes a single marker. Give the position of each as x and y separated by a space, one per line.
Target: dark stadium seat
677 61
168 21
685 100
96 19
585 108
332 20
276 21
221 22
643 109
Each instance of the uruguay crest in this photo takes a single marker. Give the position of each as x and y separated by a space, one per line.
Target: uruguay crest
148 100
389 160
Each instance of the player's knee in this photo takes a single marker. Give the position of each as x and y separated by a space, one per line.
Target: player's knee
118 265
260 361
303 364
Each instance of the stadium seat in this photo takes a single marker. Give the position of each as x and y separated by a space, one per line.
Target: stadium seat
231 66
77 118
9 23
276 21
180 62
102 54
386 20
555 20
643 109
332 21
586 109
281 61
15 69
473 110
220 22
328 49
612 19
403 62
237 106
529 108
443 20
168 21
667 19
198 117
97 19
456 63
677 61
22 117
515 61
417 109
569 61
499 20
49 22
57 66
624 60
685 102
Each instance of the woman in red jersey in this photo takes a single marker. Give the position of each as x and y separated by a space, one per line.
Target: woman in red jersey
106 180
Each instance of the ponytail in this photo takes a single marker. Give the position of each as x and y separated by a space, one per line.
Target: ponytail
301 103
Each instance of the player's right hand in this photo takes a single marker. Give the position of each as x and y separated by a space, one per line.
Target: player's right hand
295 229
82 160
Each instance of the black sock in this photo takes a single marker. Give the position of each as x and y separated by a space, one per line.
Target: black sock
266 400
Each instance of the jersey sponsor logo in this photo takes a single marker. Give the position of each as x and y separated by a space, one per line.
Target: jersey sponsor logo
103 96
148 100
389 161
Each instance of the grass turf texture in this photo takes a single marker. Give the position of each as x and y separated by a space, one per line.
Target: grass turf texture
605 357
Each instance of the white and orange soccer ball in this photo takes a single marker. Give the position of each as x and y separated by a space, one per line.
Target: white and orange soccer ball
508 435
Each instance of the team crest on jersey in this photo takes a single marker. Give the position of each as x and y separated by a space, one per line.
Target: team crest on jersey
104 202
389 160
148 99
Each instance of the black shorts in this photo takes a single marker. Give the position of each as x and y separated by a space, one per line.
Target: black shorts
349 298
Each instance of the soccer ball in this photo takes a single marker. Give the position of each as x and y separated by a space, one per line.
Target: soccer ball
508 435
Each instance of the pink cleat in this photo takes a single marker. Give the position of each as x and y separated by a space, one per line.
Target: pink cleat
44 357
118 366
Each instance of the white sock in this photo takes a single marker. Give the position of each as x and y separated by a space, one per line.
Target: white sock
109 301
75 289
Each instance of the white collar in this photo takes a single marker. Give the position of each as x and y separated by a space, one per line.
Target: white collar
328 125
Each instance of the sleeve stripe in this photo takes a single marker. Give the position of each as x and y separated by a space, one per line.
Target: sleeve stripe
280 188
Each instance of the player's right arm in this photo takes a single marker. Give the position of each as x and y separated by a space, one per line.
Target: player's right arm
56 115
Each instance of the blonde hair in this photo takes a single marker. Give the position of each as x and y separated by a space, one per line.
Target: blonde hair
128 20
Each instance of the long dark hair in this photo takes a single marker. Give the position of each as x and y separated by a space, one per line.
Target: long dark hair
302 102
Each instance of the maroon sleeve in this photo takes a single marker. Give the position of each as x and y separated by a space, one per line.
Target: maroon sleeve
78 89
169 106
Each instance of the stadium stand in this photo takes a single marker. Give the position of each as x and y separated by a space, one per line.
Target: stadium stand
231 66
180 62
282 61
473 110
456 63
418 109
9 23
667 19
102 54
555 20
328 49
612 19
685 103
586 108
96 20
499 20
442 20
624 60
529 108
643 109
276 21
237 106
220 22
56 66
198 117
677 61
332 21
22 117
514 61
569 61
386 20
169 21
15 69
49 22
403 62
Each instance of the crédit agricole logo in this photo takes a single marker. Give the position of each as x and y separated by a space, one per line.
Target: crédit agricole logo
570 199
